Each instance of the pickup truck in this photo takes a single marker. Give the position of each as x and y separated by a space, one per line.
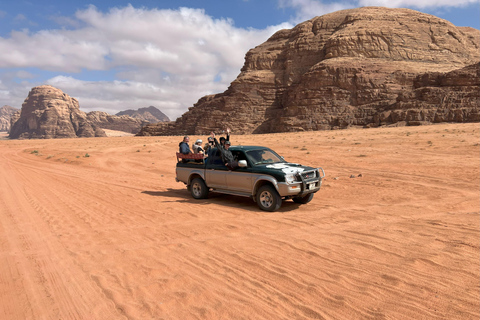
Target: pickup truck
262 175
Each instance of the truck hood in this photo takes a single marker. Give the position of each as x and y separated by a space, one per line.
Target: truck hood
288 167
280 170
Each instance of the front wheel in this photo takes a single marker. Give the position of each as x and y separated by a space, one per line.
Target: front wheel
199 189
268 198
304 199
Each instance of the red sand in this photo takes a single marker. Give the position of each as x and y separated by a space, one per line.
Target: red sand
99 229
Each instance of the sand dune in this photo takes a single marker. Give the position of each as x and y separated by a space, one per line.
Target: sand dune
99 229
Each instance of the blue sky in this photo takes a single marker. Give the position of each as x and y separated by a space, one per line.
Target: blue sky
117 55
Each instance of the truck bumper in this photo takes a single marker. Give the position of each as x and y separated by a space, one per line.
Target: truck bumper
311 181
297 189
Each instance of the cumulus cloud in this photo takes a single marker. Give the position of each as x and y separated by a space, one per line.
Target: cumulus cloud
419 4
165 58
307 9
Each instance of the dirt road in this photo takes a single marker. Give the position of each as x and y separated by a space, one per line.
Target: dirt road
99 229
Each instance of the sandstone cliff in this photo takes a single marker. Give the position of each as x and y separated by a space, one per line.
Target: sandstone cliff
150 114
120 123
6 113
361 67
49 113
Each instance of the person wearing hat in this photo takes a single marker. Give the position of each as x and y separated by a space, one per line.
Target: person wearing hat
227 156
197 147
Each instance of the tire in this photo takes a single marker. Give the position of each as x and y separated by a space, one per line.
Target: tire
199 189
268 198
304 199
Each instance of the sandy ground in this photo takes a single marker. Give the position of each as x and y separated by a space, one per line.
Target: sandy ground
99 229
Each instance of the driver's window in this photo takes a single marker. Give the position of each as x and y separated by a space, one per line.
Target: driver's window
240 156
255 156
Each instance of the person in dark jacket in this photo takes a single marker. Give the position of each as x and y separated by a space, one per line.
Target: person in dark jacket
227 156
209 146
223 140
184 147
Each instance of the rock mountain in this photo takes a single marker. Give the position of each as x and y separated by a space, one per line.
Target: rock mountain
49 113
365 67
6 113
105 120
150 114
129 120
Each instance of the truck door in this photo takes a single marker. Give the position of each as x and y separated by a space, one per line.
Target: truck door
215 171
240 179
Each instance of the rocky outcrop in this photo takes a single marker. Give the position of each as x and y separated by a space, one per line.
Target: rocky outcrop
364 67
6 113
120 123
14 118
150 114
49 113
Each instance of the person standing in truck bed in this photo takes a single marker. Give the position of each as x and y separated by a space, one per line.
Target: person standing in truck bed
227 156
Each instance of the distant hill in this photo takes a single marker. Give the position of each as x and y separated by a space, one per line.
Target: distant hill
6 113
150 114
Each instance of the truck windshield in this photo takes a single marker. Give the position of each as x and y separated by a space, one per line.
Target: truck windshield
263 156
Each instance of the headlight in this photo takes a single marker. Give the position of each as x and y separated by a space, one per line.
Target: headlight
290 177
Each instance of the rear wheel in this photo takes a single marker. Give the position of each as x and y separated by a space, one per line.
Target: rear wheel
199 189
268 198
304 199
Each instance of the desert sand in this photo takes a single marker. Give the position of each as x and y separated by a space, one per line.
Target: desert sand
98 228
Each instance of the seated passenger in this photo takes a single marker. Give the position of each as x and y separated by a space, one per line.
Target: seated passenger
197 147
183 146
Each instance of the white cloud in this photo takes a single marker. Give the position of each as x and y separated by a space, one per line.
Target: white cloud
307 9
20 17
114 96
419 4
168 58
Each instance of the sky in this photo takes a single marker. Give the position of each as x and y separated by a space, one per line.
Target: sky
119 55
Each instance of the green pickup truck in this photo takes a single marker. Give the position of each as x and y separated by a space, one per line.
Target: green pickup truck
262 175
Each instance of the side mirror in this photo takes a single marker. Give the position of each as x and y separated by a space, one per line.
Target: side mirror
242 163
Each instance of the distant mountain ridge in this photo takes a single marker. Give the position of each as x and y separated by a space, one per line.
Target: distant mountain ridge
149 114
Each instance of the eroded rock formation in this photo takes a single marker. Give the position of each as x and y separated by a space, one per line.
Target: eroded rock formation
6 113
49 113
364 67
120 123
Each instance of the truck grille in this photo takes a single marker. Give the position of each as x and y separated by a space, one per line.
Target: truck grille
308 175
